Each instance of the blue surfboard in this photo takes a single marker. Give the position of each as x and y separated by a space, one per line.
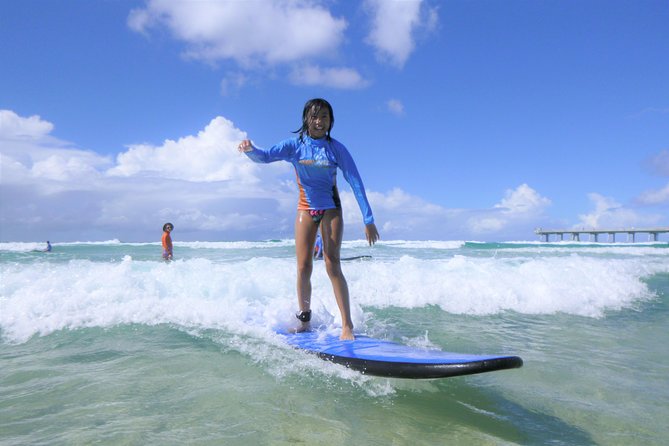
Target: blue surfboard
389 359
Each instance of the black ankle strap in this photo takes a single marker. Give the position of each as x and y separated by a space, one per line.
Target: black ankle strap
304 316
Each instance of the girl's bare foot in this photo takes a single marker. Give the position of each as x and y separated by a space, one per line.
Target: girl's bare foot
304 326
347 334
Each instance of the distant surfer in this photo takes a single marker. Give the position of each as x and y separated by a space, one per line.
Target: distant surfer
48 246
318 247
315 155
167 241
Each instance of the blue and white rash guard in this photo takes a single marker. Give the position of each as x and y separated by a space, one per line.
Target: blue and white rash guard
316 162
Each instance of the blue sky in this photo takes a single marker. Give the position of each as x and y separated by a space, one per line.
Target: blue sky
468 120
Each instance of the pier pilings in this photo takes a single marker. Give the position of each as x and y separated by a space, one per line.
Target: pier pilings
594 234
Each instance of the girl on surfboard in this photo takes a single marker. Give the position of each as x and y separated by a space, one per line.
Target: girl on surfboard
315 155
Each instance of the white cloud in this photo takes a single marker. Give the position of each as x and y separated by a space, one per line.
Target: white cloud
658 164
650 111
520 206
12 126
209 191
199 181
483 225
232 82
608 213
395 107
402 215
210 155
394 24
248 32
344 78
605 208
523 200
28 152
70 167
655 197
297 34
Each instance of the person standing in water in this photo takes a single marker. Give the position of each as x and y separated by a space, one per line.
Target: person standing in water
318 248
48 246
167 241
315 155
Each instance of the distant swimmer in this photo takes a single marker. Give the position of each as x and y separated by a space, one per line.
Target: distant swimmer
318 247
167 241
48 246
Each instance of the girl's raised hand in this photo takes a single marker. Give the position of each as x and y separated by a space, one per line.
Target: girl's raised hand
245 146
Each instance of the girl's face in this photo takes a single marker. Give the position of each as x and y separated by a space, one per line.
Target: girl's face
319 123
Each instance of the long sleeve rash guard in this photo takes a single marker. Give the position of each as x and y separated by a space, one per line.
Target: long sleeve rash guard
316 162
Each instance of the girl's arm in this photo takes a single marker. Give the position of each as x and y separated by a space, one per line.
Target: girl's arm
352 176
278 152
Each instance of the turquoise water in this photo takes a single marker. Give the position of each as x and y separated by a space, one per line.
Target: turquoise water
104 343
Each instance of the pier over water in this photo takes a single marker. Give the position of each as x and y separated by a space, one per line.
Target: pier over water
575 234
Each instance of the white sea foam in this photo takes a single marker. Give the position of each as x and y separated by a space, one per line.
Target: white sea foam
258 294
479 286
108 242
22 246
28 246
421 244
238 244
36 246
627 249
517 246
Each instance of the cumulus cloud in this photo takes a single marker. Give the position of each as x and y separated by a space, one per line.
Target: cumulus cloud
199 181
343 78
13 126
207 156
519 206
297 34
394 25
403 215
248 32
608 213
400 215
207 189
54 160
522 201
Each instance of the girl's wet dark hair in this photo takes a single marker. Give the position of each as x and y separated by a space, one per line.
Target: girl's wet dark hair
313 106
166 225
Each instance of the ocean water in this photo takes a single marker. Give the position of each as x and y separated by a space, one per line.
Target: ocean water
105 343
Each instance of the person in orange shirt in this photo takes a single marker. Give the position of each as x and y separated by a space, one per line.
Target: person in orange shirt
167 241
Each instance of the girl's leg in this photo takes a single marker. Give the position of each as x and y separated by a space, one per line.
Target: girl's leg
332 231
305 237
